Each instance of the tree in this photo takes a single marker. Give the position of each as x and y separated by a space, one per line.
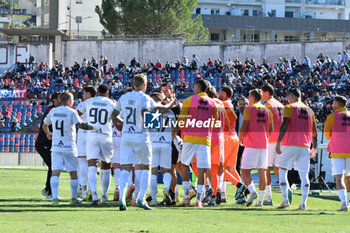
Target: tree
152 17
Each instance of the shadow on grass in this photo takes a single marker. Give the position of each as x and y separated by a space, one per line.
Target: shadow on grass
25 200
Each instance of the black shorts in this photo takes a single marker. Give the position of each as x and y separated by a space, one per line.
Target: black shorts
174 154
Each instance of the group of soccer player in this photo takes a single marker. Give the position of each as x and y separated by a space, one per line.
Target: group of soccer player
199 136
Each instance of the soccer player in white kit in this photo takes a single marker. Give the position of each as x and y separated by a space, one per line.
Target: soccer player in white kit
64 120
161 154
135 144
88 92
99 145
117 127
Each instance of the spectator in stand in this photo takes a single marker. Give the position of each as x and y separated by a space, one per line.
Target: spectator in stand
345 56
158 65
31 61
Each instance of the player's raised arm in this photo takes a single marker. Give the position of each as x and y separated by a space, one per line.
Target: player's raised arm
86 126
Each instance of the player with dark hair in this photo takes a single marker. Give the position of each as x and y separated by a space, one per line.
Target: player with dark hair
256 130
88 92
43 146
297 132
337 130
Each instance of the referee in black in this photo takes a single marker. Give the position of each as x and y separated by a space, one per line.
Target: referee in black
43 145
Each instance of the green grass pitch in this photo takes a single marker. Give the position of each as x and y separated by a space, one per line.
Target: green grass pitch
23 209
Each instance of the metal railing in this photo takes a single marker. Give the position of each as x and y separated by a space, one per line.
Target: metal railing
325 2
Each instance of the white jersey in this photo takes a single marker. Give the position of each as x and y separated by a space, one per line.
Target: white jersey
130 107
63 120
99 113
161 138
116 135
82 133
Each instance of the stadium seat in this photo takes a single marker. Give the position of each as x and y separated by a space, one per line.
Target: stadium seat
21 143
6 142
12 142
2 140
26 143
17 142
32 142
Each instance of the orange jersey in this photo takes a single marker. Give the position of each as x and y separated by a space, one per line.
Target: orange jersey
230 119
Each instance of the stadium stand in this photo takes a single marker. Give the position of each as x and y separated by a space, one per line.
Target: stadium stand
20 120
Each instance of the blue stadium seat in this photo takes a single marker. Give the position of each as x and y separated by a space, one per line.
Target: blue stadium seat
31 142
2 142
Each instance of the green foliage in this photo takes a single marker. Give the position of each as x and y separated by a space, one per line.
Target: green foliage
152 18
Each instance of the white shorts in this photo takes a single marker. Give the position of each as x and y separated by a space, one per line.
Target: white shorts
135 153
340 166
61 160
272 157
116 151
202 153
99 146
297 157
81 146
81 143
161 157
253 158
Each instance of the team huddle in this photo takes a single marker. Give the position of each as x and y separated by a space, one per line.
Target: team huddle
198 136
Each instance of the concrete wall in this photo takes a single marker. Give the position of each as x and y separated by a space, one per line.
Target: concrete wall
77 50
242 51
11 53
271 51
116 50
163 49
23 159
312 50
203 52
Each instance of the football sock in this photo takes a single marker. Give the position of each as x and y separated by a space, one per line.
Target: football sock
92 181
251 188
83 188
124 175
167 180
268 193
304 190
284 188
261 195
74 187
199 192
116 177
105 181
144 184
130 179
228 176
82 171
54 186
138 174
154 188
214 178
342 196
220 182
185 185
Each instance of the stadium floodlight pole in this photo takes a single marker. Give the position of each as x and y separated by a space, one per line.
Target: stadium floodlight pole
70 18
